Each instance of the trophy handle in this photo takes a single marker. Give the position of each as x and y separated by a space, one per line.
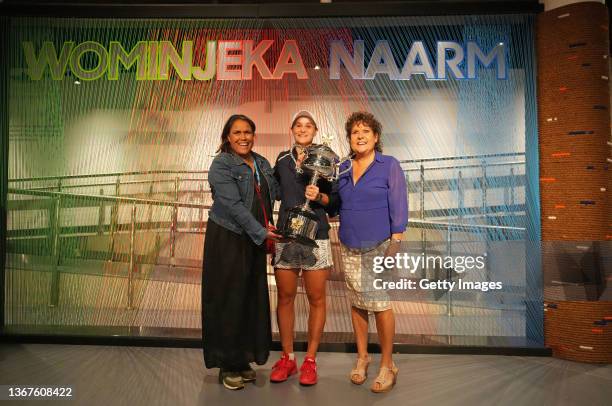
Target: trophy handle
340 162
298 169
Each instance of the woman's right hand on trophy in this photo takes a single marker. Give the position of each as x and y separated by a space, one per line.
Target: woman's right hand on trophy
271 233
312 192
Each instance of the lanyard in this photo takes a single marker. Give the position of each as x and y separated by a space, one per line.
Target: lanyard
261 202
258 190
257 179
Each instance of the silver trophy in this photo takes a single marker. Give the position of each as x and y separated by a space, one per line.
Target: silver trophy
301 224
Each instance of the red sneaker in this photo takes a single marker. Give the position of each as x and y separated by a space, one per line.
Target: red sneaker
308 372
283 369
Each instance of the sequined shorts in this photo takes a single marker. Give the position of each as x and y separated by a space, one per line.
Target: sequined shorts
293 255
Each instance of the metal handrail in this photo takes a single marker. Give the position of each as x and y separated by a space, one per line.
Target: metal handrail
129 182
452 158
439 225
433 168
153 202
103 175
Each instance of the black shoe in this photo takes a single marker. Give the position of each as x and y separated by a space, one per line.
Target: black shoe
248 374
231 380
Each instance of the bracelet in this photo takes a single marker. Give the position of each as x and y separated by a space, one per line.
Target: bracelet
396 240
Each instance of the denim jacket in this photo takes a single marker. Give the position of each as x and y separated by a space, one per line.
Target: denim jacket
231 182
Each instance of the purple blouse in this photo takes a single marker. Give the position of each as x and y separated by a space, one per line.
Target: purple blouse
376 206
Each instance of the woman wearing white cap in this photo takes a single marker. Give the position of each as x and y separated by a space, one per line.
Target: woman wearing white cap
292 257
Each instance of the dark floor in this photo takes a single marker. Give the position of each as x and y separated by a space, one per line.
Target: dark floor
103 375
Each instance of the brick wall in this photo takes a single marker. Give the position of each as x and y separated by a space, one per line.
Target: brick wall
574 130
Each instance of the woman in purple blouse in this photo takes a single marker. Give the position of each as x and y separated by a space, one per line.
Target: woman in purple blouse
373 217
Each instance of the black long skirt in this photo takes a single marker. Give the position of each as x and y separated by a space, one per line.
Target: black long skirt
236 327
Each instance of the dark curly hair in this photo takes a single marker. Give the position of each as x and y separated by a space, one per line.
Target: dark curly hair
225 146
368 119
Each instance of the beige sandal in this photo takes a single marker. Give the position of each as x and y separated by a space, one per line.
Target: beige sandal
385 380
359 374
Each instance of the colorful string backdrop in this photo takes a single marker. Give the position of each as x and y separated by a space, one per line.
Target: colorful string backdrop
108 184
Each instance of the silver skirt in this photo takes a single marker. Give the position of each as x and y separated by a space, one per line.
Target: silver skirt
359 279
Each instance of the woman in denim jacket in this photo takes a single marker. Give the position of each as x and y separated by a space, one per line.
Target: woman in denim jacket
236 328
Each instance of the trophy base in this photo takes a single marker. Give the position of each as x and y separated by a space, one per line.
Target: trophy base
301 225
298 238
